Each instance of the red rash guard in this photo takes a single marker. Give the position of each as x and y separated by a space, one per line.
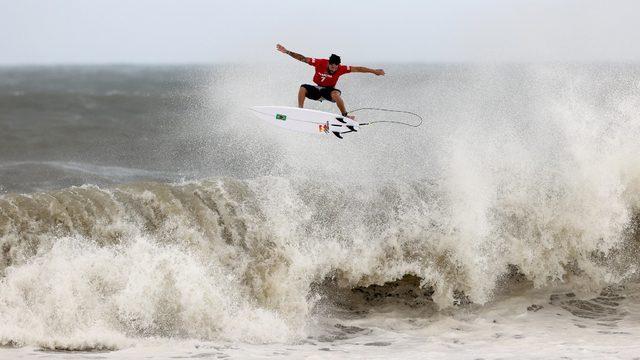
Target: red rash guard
322 77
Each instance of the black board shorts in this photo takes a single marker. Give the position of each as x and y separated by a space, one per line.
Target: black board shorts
318 92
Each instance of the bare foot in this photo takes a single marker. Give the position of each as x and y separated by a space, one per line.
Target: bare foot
352 117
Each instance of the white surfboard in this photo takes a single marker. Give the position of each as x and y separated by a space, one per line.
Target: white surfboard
306 120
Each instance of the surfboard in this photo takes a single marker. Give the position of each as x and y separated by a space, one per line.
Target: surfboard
306 120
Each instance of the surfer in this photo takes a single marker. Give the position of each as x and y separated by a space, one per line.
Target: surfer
326 76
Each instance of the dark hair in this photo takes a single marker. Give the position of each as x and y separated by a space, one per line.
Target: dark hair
334 59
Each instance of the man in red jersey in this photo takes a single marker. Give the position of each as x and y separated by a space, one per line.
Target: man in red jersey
326 76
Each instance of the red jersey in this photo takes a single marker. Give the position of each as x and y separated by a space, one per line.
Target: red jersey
322 76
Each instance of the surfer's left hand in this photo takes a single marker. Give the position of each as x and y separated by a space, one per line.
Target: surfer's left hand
378 72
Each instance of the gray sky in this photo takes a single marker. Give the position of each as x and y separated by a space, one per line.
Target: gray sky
164 31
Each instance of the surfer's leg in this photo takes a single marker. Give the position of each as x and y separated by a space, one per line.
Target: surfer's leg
309 91
302 94
335 97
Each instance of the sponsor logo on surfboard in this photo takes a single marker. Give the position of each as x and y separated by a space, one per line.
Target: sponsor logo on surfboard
323 127
281 117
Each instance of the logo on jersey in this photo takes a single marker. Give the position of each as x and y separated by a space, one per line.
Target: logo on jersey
324 77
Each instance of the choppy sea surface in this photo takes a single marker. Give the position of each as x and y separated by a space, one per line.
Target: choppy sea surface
145 213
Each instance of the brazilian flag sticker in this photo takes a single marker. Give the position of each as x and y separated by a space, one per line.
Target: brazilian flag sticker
281 117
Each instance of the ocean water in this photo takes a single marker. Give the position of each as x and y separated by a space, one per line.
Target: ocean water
145 213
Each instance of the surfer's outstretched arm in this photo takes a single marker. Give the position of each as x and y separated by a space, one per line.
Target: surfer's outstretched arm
364 69
296 56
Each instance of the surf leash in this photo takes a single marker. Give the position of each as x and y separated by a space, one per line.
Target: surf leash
389 121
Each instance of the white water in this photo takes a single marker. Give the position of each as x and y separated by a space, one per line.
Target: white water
501 202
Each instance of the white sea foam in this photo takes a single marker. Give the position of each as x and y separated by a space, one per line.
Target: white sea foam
384 240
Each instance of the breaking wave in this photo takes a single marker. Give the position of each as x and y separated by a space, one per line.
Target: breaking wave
248 260
521 174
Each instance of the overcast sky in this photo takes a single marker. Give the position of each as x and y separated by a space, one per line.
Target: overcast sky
187 31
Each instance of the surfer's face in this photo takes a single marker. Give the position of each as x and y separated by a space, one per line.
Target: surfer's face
333 67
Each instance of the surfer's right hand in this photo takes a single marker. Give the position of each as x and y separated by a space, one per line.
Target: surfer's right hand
281 48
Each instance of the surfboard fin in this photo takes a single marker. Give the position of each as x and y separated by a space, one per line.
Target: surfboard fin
339 134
